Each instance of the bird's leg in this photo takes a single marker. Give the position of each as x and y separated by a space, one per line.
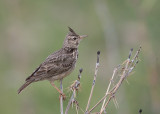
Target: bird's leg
61 93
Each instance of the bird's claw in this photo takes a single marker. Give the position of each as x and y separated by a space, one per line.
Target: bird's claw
63 96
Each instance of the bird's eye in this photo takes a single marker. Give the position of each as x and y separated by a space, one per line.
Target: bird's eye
74 38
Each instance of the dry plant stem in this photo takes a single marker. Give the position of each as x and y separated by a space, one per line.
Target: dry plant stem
61 97
129 66
136 55
97 103
69 103
116 86
94 81
114 72
115 102
124 75
107 93
76 85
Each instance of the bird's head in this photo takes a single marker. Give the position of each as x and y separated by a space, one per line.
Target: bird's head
72 40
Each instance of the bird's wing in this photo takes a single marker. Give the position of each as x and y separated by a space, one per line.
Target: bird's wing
37 73
59 64
55 64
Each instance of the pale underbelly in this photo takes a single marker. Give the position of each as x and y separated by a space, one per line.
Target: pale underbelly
61 76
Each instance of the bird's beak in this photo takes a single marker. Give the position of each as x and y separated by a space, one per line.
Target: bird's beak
83 36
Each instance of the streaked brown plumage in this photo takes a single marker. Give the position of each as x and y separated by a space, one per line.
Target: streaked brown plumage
59 64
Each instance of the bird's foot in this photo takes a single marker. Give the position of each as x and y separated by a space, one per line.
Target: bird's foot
63 96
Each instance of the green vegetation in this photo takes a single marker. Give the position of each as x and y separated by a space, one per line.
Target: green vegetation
30 30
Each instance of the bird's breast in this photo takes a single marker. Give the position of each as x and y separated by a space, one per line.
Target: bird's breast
62 75
67 65
70 60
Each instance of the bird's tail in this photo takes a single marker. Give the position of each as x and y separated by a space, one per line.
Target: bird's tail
24 86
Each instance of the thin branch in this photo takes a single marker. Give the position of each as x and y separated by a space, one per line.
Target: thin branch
94 81
61 97
124 69
74 87
107 92
130 64
69 103
97 103
115 102
116 86
114 72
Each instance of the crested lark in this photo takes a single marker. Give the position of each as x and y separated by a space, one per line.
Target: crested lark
59 64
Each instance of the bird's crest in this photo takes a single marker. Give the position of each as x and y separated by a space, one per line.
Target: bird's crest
71 32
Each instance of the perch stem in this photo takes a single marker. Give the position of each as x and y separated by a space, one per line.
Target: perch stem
124 75
77 84
93 84
69 103
114 72
61 97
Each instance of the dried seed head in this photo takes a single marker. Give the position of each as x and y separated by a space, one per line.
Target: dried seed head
80 70
140 111
98 52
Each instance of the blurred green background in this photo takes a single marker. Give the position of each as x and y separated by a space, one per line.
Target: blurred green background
30 30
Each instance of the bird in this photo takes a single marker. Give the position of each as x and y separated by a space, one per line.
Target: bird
59 64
